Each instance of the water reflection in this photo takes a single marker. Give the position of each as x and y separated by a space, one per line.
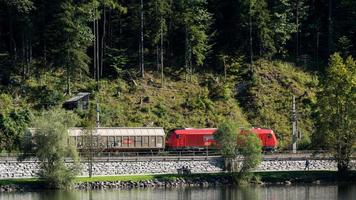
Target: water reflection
300 192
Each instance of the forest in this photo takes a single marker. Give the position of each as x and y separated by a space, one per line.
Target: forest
180 63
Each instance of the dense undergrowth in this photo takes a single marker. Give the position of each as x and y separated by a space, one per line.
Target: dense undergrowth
266 99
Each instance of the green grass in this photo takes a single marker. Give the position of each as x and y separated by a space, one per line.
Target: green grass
20 181
271 177
304 176
114 178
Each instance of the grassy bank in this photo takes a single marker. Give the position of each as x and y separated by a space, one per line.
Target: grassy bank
269 177
304 176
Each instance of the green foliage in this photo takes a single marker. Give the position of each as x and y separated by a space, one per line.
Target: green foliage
117 60
51 147
267 98
46 98
226 135
233 144
337 109
23 6
13 122
67 48
250 147
196 20
12 129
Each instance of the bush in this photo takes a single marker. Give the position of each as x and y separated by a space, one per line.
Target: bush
227 137
46 98
51 147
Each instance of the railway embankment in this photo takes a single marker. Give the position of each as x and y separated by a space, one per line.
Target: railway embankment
165 165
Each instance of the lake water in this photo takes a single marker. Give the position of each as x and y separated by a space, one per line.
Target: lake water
320 192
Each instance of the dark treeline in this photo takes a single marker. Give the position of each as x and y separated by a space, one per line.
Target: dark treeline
100 38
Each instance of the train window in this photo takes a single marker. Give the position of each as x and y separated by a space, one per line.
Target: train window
269 136
178 136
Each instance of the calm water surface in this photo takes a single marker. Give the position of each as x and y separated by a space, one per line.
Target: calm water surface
322 192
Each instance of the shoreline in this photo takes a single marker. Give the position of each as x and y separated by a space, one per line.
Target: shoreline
175 180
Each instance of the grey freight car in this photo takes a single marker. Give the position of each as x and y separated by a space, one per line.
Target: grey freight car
119 138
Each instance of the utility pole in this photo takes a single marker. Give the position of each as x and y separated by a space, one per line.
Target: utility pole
294 127
97 114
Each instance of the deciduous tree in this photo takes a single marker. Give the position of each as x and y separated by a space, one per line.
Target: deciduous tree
337 110
52 148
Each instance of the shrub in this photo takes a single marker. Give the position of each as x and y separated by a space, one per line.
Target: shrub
51 147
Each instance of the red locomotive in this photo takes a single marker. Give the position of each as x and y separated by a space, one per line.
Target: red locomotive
191 138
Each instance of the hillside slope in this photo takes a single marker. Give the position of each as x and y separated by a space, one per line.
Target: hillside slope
178 104
262 99
267 99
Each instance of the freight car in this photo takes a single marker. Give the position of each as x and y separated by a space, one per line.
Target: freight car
117 138
191 138
122 139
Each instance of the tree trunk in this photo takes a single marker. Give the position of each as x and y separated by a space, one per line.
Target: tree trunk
94 50
142 66
330 28
157 57
13 49
97 51
250 34
297 26
224 62
102 49
162 75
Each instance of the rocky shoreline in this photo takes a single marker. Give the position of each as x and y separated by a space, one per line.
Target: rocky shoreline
178 182
124 185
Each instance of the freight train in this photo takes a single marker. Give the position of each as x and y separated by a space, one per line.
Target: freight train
154 139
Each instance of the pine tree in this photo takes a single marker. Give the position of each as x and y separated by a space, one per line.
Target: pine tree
69 36
195 21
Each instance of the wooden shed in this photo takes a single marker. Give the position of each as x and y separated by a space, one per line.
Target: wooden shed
79 101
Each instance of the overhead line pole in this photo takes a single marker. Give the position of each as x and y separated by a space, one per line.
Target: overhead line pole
294 127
